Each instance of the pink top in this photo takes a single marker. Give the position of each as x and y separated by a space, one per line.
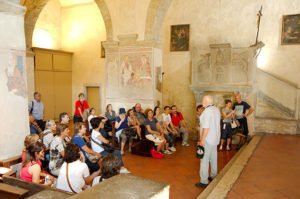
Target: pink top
24 174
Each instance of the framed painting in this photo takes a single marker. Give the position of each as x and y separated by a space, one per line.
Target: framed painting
180 37
290 29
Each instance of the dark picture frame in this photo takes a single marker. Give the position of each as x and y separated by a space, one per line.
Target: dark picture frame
102 50
180 37
290 29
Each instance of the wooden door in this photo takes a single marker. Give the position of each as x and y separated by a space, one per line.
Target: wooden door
44 85
93 98
63 93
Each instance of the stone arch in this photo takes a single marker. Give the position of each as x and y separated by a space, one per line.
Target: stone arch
156 13
34 9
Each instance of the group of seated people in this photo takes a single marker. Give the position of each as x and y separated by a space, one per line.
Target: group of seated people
73 164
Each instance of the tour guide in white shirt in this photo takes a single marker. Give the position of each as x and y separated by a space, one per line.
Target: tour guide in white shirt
209 139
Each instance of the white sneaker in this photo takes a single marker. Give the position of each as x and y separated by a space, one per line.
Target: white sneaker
173 149
124 170
185 144
167 152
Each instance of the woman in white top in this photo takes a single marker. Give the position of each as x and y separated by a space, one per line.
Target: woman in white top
91 116
74 175
97 141
168 125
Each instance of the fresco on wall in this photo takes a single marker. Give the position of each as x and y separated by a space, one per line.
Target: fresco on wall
129 74
16 74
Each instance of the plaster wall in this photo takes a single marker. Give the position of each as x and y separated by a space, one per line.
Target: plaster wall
234 22
47 31
83 30
13 89
128 16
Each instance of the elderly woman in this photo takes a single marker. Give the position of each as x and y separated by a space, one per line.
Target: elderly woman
48 133
31 168
154 132
57 148
81 106
79 131
74 175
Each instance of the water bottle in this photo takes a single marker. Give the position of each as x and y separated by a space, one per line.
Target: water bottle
47 179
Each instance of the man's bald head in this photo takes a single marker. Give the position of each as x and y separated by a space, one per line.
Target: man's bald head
207 100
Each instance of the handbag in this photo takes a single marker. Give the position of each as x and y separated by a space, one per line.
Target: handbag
92 158
68 179
129 132
234 124
107 147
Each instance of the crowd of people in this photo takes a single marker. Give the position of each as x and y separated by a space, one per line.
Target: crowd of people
51 156
88 157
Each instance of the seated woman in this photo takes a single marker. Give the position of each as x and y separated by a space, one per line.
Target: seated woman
110 166
168 125
74 175
168 133
133 122
31 167
120 125
29 139
48 133
79 131
57 149
97 141
154 132
110 114
92 114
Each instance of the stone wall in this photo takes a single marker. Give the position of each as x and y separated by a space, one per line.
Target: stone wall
14 102
214 22
83 30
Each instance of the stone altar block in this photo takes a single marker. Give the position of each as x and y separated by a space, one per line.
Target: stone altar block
126 186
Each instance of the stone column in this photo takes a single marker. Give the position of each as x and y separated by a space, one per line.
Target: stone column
13 86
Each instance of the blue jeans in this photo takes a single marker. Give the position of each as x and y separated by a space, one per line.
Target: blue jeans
210 156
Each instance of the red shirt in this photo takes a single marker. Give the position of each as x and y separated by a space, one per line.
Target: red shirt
176 118
82 105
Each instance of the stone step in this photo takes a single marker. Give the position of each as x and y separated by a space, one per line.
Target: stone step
277 126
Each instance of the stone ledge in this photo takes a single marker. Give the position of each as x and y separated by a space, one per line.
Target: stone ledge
224 181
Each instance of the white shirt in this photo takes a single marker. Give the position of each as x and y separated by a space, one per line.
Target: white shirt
95 146
211 118
96 180
77 171
90 117
47 138
166 118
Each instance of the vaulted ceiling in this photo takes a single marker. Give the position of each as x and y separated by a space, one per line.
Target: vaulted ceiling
65 3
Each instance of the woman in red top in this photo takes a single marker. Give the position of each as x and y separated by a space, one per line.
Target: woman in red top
81 106
31 169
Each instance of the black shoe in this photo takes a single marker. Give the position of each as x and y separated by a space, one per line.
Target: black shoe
210 178
202 185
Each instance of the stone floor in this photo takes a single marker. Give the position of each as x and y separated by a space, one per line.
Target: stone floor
273 171
180 170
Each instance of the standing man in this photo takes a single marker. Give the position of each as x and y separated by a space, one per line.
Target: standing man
242 111
36 108
209 138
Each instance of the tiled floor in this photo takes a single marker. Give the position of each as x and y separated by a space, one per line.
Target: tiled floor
180 170
273 171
